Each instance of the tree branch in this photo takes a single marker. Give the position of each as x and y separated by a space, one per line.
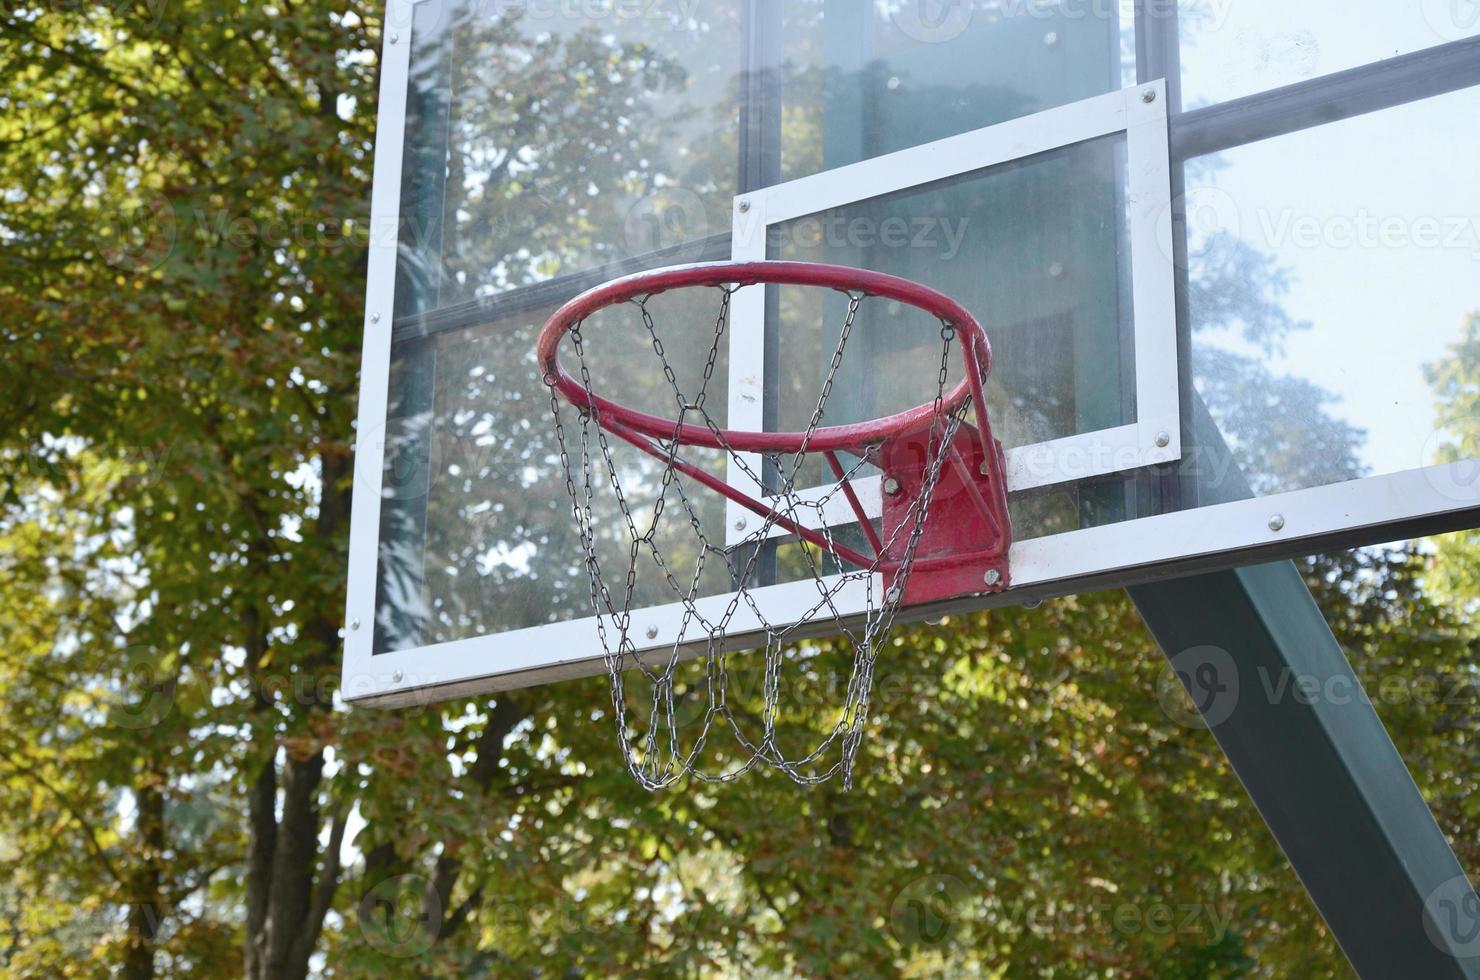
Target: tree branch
262 820
323 898
292 867
89 836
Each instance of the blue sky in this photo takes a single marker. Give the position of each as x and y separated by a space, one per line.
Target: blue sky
1377 218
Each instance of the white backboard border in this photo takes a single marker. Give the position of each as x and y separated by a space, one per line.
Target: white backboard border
1140 114
1360 512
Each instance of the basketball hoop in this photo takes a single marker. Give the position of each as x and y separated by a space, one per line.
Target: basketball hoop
943 530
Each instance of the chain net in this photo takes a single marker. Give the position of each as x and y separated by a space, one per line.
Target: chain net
669 745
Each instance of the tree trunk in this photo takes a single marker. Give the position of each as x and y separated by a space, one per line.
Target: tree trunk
293 858
261 805
146 906
285 909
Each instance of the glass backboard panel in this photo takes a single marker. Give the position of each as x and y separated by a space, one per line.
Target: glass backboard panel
548 147
1325 274
1234 48
476 535
863 79
541 142
1332 273
1046 272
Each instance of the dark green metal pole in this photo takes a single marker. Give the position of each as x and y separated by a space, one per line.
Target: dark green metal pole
1322 770
1254 652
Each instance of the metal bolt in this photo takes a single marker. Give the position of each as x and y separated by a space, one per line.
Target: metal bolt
1277 522
397 677
354 624
891 485
1163 440
652 632
1148 95
992 577
744 206
375 318
1056 270
1051 39
395 38
983 468
741 524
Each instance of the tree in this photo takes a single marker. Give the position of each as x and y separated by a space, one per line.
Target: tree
1456 383
184 236
184 229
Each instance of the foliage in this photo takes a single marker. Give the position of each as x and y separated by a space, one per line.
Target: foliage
1456 382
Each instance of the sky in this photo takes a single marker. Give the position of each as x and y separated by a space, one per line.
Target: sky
1377 218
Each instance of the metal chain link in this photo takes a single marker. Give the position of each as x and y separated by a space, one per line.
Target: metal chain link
654 752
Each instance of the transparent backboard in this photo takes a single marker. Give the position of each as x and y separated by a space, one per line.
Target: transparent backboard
1226 327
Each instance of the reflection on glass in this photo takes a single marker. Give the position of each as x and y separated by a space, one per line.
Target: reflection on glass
1329 269
865 79
541 142
546 140
478 535
1035 249
1233 48
544 143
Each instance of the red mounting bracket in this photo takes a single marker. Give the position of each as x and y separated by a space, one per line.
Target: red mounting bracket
966 533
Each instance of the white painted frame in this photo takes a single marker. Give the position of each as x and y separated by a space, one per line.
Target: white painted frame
1155 437
1220 535
365 674
1225 534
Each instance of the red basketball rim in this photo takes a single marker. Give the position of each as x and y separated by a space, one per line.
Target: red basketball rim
975 348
